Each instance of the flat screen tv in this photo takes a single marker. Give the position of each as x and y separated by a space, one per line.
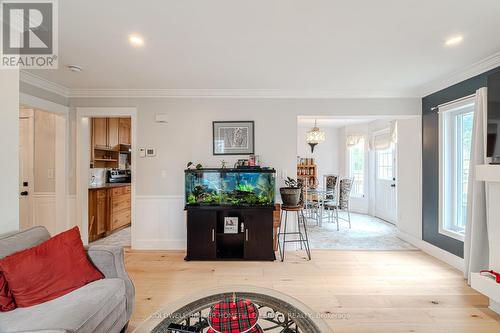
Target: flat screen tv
493 136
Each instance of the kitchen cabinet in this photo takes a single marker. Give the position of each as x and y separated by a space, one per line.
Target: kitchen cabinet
100 132
125 131
97 214
113 130
119 210
109 210
105 133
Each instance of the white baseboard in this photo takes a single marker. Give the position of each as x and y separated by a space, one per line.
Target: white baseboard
434 251
159 244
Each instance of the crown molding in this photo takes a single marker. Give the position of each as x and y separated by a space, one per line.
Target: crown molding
44 84
61 90
477 68
234 93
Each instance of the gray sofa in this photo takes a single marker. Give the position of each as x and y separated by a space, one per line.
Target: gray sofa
103 306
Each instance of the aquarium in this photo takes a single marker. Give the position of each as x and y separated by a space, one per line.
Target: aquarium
230 187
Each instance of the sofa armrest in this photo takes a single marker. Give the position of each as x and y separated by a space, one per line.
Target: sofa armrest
110 261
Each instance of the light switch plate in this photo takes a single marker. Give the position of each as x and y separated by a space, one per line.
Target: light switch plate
142 152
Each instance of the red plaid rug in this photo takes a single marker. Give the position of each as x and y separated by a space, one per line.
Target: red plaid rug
234 316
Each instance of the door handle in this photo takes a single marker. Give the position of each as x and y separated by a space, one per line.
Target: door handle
246 235
213 235
24 193
393 185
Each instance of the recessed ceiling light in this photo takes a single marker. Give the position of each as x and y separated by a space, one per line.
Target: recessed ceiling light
455 40
136 40
75 68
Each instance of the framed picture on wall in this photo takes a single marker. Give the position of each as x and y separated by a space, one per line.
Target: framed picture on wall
233 137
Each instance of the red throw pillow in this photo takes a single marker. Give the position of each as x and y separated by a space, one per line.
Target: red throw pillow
7 302
49 270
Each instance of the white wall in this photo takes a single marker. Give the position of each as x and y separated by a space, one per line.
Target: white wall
409 180
9 137
326 154
188 137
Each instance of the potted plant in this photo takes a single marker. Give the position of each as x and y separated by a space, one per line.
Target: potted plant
290 195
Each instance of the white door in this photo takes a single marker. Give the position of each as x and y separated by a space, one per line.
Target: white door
385 184
25 170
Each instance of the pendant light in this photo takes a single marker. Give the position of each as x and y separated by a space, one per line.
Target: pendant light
315 136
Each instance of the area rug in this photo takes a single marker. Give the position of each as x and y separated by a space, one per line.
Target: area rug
271 311
367 233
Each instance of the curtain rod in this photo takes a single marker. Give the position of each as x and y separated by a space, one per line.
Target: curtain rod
454 101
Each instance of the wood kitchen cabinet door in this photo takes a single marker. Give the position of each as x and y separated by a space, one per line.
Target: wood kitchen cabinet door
98 214
101 212
113 132
124 132
100 132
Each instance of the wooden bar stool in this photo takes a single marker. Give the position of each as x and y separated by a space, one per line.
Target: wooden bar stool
301 221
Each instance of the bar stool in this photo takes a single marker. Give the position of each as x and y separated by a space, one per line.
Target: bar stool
301 220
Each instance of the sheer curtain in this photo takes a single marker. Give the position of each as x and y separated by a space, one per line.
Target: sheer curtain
476 249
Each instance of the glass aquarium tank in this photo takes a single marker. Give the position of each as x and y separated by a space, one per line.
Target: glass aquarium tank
230 187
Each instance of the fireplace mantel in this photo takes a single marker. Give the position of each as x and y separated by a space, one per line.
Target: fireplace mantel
491 175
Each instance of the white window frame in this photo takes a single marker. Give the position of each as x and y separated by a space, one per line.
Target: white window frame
349 164
449 110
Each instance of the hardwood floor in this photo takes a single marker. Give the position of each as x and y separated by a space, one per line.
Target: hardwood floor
399 291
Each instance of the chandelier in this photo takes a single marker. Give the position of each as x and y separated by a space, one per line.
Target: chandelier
315 136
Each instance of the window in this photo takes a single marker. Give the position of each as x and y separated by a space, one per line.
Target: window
385 161
357 167
456 123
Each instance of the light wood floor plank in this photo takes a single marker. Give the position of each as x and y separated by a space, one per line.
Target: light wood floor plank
357 291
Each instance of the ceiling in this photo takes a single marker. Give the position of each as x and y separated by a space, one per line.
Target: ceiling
385 47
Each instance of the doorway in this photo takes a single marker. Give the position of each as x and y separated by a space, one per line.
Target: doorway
98 150
361 151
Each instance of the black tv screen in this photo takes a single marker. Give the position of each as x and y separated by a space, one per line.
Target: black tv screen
493 136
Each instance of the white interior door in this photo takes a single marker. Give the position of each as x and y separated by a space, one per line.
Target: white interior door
385 184
25 169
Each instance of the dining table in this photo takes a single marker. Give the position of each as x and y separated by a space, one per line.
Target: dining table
320 195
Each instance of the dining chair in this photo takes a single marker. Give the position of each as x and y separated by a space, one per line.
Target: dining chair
330 182
345 188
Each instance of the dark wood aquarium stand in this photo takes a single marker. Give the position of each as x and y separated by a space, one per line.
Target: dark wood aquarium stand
206 239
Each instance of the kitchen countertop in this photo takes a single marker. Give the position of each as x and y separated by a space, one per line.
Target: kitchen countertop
107 185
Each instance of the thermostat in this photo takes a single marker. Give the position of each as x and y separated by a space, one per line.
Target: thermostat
150 152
